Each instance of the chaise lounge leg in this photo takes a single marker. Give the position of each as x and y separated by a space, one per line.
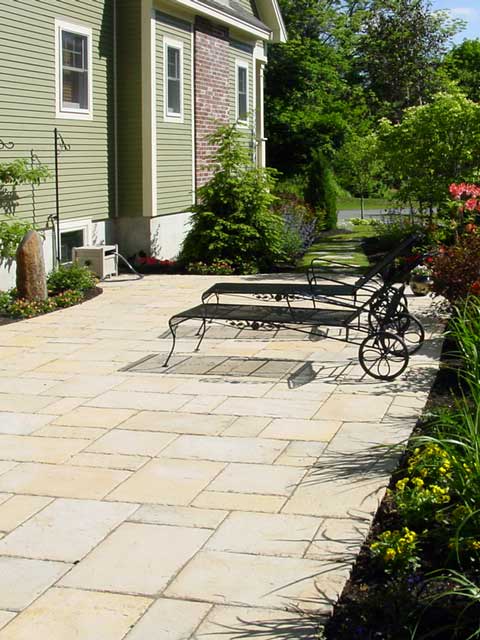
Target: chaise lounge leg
203 329
173 331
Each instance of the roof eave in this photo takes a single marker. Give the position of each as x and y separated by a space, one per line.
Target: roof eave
272 16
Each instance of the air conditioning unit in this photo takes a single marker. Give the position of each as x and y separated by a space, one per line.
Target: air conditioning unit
102 259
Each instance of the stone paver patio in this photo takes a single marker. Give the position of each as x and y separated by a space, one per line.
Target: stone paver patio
185 506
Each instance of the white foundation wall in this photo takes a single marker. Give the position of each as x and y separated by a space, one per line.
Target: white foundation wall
99 232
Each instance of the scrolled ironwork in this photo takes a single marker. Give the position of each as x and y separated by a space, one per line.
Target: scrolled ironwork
6 146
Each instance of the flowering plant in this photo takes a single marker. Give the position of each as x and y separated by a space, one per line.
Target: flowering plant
422 270
396 550
465 207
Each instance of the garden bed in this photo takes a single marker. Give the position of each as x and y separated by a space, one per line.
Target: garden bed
435 595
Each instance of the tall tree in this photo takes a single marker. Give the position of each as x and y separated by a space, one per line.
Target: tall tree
462 65
400 52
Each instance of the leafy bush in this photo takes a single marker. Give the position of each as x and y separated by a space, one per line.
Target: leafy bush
233 220
299 225
321 191
455 271
72 277
11 234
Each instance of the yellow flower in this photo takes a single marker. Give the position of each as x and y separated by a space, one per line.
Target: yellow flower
474 544
418 482
390 554
401 484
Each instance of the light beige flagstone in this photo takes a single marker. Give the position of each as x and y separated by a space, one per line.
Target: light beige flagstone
241 579
20 508
268 407
61 406
179 516
64 481
22 580
178 422
22 423
355 408
247 427
239 501
265 534
132 442
167 481
84 433
235 623
94 417
65 530
5 617
62 614
301 454
339 540
137 558
224 449
86 386
290 429
170 620
258 478
33 449
109 461
139 400
24 403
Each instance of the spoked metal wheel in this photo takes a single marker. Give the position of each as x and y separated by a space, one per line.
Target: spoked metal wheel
406 326
383 356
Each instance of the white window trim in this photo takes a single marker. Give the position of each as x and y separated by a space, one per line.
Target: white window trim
171 117
241 64
62 112
78 225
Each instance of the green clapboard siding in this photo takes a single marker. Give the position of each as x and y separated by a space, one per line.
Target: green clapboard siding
27 108
242 53
248 5
129 109
174 139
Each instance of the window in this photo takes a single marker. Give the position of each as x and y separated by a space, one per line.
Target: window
68 241
242 92
74 71
173 80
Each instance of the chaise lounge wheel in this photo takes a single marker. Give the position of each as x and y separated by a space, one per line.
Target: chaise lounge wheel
404 325
383 356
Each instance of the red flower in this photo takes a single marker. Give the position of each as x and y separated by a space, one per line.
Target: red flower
475 288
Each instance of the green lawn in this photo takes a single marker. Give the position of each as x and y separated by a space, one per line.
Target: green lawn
352 204
344 245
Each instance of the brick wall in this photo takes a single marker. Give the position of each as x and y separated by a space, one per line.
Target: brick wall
211 88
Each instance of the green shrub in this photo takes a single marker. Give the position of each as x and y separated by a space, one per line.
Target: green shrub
68 298
11 234
218 267
72 277
299 224
232 220
396 551
455 272
321 191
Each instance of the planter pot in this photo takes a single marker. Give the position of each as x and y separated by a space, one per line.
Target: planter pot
420 285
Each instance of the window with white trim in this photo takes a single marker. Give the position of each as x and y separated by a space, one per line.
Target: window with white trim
242 92
74 70
173 71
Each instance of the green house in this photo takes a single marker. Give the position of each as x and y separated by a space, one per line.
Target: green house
133 88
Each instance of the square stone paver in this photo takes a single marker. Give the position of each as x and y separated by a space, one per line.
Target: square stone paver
20 508
354 408
265 534
65 530
22 580
170 620
187 423
179 516
22 423
237 623
167 481
321 430
339 539
61 614
109 461
241 579
301 454
225 449
239 502
132 442
258 478
247 427
137 558
63 481
94 417
33 449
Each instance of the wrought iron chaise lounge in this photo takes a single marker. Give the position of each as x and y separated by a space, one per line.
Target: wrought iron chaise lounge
382 353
